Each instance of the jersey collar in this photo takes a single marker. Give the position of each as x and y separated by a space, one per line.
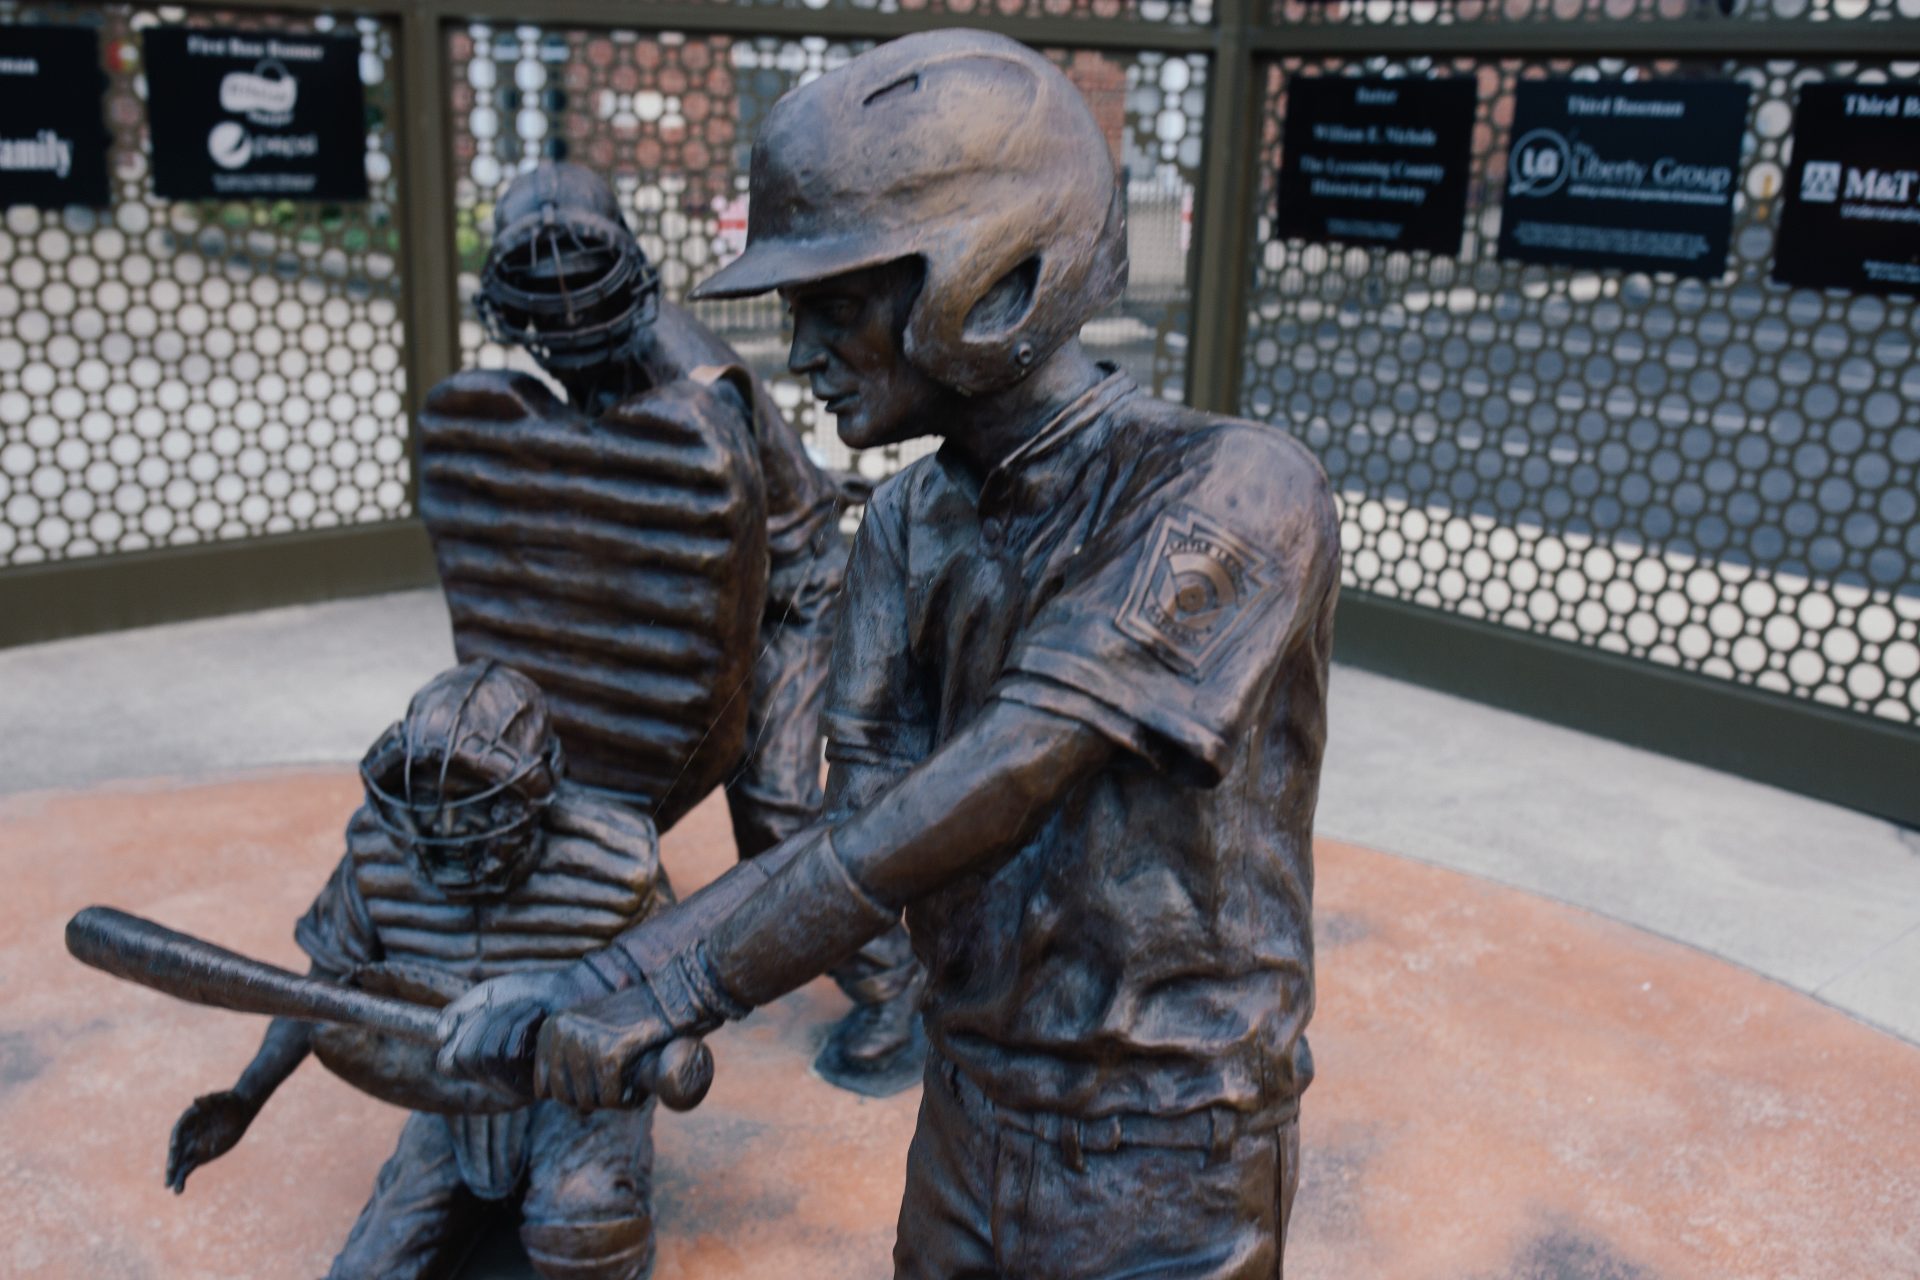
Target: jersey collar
1001 484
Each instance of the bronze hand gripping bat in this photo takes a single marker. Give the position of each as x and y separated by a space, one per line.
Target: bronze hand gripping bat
189 968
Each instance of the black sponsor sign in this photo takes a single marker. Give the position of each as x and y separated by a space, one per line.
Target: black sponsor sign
1376 162
1611 173
1851 216
53 145
246 114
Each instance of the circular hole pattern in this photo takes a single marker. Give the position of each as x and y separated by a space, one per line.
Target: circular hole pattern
182 372
670 120
1403 13
1717 475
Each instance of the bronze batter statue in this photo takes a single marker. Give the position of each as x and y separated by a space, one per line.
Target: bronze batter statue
1076 720
658 552
471 858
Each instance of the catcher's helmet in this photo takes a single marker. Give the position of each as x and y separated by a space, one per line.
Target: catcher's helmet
462 783
565 278
966 150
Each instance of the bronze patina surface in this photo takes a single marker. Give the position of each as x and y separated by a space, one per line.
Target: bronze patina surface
658 551
1076 714
472 857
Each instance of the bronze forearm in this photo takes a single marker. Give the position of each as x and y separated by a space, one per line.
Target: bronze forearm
966 809
682 925
282 1050
971 805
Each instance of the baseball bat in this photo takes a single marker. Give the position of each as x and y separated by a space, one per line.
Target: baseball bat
189 968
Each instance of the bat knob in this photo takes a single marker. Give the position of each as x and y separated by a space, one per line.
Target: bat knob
681 1074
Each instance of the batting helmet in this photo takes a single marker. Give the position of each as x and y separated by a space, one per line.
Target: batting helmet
966 150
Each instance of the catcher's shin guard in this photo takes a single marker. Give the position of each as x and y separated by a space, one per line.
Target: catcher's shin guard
613 1249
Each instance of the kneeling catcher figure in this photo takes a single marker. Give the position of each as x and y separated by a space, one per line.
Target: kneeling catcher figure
472 857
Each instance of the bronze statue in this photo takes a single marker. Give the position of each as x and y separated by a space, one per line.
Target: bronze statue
658 552
1076 716
472 857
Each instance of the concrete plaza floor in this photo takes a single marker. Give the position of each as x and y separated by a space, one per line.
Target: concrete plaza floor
1508 1089
1523 1072
1822 899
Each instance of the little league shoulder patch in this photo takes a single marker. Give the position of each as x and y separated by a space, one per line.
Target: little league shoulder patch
1194 583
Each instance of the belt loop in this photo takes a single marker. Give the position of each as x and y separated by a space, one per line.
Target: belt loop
1220 1122
1071 1146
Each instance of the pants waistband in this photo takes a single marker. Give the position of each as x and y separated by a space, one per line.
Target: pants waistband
1212 1129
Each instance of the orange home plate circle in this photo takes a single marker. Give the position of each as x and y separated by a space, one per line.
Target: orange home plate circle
1509 1089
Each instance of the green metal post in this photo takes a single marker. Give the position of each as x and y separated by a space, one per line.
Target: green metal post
1225 216
426 196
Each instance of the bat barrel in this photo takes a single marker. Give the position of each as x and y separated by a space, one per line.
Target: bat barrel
188 968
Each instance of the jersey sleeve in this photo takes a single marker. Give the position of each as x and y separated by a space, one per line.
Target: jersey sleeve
337 933
877 709
1169 632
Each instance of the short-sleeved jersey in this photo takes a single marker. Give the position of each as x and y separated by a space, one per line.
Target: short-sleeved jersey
1166 578
599 873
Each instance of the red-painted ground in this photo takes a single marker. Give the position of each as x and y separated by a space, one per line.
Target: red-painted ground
1509 1089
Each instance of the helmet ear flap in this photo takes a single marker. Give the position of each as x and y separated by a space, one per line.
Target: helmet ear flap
1019 312
1005 306
959 275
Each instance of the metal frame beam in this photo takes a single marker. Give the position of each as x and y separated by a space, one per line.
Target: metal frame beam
753 19
1224 216
1732 39
109 593
836 24
426 195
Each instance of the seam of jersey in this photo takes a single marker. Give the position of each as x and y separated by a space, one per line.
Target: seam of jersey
1209 748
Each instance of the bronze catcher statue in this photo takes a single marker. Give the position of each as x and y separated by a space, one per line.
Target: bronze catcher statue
472 857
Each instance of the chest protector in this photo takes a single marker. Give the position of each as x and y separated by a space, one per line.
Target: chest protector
621 562
599 874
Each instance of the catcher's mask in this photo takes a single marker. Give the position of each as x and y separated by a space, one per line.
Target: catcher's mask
463 783
565 278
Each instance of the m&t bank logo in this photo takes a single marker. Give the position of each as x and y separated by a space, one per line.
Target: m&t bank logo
1820 181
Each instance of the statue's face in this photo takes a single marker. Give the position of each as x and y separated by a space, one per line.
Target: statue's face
571 286
847 340
470 838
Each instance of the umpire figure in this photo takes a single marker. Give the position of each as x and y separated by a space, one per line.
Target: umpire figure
1075 717
603 548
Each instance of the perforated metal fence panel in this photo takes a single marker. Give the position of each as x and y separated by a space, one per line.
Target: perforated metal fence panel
670 119
1673 489
1172 12
1718 476
1490 13
190 372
